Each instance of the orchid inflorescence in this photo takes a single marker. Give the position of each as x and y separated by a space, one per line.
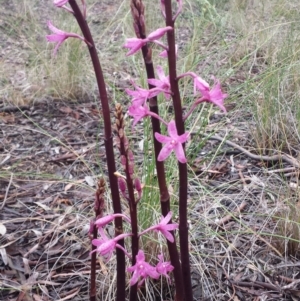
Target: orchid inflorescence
129 185
139 109
106 246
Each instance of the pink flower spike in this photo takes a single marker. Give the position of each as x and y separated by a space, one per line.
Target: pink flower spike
142 269
164 267
164 227
172 142
103 221
215 95
59 36
163 82
106 246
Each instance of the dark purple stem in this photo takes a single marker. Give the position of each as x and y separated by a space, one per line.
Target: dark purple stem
164 194
98 213
108 140
133 215
183 183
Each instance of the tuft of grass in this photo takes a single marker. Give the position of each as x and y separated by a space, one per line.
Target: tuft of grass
287 230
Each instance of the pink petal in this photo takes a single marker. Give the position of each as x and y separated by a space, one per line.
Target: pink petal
134 44
179 152
166 219
55 38
152 273
172 130
161 138
97 242
140 256
158 33
164 54
60 3
100 222
135 277
168 236
165 151
160 72
155 82
183 138
55 29
171 227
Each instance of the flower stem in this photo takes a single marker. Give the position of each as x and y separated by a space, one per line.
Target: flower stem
108 140
183 225
137 9
128 168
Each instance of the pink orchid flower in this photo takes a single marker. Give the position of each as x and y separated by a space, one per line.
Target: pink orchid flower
60 3
164 227
138 113
164 267
103 221
199 83
142 269
214 95
135 44
163 82
141 95
60 36
106 246
172 142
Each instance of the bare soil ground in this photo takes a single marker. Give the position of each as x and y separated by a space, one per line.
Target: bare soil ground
51 153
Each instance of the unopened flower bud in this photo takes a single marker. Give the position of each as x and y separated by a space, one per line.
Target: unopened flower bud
123 161
130 156
131 169
122 185
138 187
92 223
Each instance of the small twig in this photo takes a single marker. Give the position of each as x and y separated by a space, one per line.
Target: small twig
7 190
228 217
291 285
282 170
283 157
257 284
